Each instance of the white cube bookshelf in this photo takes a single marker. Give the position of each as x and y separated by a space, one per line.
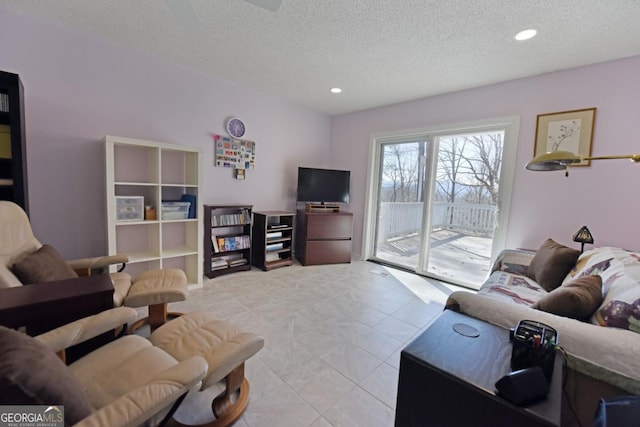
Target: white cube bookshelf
157 172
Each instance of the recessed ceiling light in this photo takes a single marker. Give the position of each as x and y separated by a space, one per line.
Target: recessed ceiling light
526 34
336 90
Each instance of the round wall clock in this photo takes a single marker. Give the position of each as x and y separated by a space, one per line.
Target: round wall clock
236 127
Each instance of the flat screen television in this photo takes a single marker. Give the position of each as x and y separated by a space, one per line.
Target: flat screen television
323 185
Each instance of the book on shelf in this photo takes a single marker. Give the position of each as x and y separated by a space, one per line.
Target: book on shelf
230 243
4 103
226 261
218 263
241 261
240 218
278 226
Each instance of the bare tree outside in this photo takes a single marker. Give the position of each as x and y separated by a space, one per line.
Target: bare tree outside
401 172
450 162
469 168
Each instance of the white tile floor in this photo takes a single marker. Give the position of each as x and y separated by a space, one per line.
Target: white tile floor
333 336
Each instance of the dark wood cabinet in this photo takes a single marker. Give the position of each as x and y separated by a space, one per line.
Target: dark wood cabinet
324 237
227 239
273 237
13 155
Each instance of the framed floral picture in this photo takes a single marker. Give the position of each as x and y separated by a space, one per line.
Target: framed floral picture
566 131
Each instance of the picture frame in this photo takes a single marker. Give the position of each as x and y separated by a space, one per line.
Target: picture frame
566 131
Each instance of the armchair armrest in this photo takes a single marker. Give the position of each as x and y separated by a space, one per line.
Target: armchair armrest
84 266
84 329
151 401
513 261
44 306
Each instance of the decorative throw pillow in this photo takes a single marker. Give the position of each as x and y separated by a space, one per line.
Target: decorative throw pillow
44 265
577 299
551 264
32 374
620 314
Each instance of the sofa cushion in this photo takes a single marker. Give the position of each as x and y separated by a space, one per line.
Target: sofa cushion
44 265
551 264
595 261
31 374
577 299
512 288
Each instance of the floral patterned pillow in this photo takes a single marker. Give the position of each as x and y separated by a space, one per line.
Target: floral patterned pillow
620 272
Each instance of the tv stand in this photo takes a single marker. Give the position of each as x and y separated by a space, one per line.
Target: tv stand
323 237
322 207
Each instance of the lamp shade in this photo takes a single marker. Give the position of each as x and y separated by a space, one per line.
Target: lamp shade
583 235
552 161
558 160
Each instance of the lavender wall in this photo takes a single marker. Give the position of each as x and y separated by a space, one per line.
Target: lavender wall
79 88
544 204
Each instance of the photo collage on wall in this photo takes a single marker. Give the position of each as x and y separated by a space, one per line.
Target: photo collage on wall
235 153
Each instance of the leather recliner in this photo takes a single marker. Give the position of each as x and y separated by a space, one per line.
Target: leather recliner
22 254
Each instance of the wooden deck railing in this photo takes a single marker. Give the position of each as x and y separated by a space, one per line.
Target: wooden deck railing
403 219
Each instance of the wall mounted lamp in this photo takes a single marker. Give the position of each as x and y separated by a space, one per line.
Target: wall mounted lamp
583 236
558 160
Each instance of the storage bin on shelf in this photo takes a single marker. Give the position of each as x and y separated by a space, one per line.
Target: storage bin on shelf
129 208
175 210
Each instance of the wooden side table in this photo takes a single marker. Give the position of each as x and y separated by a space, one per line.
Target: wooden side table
45 306
448 379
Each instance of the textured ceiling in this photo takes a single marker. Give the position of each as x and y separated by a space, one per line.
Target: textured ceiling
378 51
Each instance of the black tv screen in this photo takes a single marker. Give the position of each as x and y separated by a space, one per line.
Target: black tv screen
323 185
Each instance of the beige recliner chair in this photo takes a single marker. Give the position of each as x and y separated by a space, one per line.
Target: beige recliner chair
24 260
132 381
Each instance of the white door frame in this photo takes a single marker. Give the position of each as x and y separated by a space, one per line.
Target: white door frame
511 126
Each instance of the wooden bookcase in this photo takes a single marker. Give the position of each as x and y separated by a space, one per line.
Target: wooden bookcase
156 172
13 154
273 239
227 239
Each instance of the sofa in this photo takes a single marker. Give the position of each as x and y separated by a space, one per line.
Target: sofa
591 299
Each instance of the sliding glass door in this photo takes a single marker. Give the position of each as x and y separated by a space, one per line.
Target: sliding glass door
400 203
434 208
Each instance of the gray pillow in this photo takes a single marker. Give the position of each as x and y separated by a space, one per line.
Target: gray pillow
32 374
578 299
44 265
551 264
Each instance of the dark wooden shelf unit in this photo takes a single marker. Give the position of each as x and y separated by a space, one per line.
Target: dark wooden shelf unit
13 154
324 237
273 237
232 224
